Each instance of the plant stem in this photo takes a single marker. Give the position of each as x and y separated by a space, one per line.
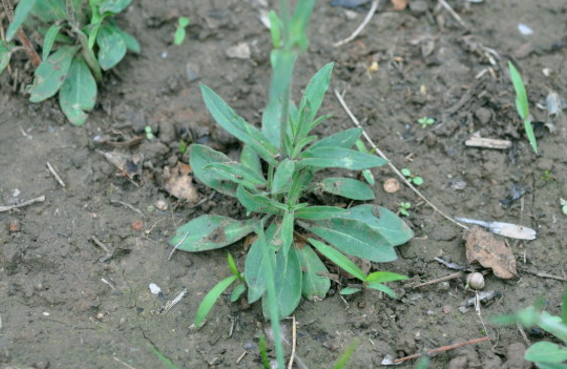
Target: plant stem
32 54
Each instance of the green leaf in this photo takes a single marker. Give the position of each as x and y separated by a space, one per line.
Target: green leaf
238 127
250 159
287 279
264 351
521 96
238 173
283 175
337 157
346 356
112 47
256 264
209 232
78 93
113 6
542 365
345 139
368 177
388 224
336 257
130 41
347 187
162 358
275 28
211 298
315 91
354 237
299 22
546 352
271 123
50 11
233 268
380 287
51 74
349 291
382 277
315 286
5 56
20 14
531 135
49 39
237 292
199 157
259 203
319 212
564 307
287 231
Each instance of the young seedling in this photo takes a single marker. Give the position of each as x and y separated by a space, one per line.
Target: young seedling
522 105
546 355
180 33
425 121
403 208
149 134
71 65
416 180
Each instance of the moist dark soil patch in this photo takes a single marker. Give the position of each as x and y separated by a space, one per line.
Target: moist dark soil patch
63 305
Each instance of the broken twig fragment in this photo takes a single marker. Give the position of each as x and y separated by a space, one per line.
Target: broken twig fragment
25 203
488 143
503 229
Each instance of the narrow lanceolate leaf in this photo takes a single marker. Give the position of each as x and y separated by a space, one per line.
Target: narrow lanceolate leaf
250 159
112 47
287 231
337 157
380 287
210 299
259 203
238 127
271 123
345 139
349 291
283 175
546 352
22 10
51 74
521 96
238 173
564 307
256 264
315 91
199 157
237 292
315 286
78 93
210 232
388 224
353 237
49 39
382 277
113 6
130 41
319 212
336 257
347 187
233 268
288 282
5 56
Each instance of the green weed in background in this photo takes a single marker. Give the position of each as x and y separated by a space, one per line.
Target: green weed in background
416 180
403 208
180 33
522 104
545 354
80 41
425 121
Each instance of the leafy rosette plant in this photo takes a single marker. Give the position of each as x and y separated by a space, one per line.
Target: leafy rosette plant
271 181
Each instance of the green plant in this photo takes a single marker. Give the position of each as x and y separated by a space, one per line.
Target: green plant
79 43
280 267
547 176
546 355
563 204
425 121
522 104
416 180
180 33
149 133
403 208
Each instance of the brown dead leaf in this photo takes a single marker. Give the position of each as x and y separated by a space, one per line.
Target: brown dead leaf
179 183
482 247
399 4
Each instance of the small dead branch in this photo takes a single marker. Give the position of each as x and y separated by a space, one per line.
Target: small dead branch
392 166
131 207
439 280
293 343
25 203
366 20
489 143
441 349
100 244
55 174
454 14
545 275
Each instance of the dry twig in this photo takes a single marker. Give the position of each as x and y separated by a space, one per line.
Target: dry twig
442 349
55 174
366 20
454 14
293 343
439 280
34 57
25 203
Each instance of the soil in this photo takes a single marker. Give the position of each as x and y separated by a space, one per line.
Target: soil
65 303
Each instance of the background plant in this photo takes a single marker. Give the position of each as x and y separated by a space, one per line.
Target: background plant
522 104
278 166
425 121
80 41
545 354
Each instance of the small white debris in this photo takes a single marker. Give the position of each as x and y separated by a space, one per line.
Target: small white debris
263 16
239 51
547 71
161 205
164 55
16 192
389 360
525 29
45 313
154 288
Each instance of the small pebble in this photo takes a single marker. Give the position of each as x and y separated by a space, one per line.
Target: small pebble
14 226
99 316
161 205
391 185
137 225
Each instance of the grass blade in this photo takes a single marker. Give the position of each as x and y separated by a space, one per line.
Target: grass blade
211 298
233 268
336 257
346 356
20 15
162 357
